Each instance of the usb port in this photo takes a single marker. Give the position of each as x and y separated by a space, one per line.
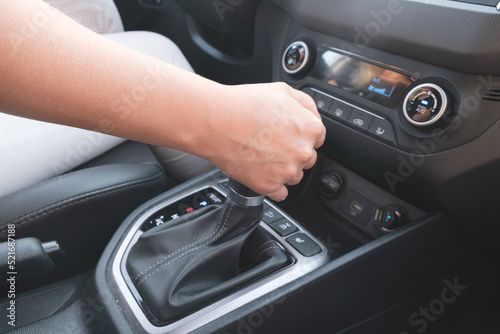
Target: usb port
358 208
379 214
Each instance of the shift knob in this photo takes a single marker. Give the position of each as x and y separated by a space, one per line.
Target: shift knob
243 195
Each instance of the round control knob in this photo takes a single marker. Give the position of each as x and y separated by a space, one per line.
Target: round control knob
295 57
425 104
331 184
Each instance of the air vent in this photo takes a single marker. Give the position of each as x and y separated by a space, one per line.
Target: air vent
492 95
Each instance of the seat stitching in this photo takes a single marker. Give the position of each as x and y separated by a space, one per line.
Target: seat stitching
79 198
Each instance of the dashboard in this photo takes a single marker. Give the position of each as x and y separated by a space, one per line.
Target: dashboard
394 230
409 110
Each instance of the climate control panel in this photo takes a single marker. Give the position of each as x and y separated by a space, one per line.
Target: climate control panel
394 105
353 116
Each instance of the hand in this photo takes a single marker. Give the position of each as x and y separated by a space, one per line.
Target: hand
265 135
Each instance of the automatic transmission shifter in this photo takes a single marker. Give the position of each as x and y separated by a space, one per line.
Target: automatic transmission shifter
187 263
246 198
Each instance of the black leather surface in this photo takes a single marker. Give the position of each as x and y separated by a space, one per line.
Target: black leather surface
80 310
82 209
182 265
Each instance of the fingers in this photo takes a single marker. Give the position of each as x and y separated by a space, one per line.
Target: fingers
306 101
321 135
278 195
309 164
296 179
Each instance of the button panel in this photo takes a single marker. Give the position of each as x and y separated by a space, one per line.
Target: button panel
271 216
284 226
356 118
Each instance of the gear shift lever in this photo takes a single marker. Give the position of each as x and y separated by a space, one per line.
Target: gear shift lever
187 262
245 197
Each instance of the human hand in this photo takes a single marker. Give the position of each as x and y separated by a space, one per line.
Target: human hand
265 135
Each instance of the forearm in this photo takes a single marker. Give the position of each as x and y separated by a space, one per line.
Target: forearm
56 70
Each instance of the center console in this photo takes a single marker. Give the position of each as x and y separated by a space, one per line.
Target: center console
304 251
358 211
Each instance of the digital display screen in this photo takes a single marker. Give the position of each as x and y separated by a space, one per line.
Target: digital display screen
369 81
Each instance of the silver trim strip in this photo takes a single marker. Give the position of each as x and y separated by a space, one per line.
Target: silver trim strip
222 307
243 200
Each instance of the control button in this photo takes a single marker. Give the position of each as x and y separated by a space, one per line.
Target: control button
322 102
283 227
339 110
295 57
270 215
357 207
305 245
359 119
383 130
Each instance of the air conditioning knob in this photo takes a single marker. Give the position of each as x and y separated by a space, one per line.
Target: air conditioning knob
296 57
426 104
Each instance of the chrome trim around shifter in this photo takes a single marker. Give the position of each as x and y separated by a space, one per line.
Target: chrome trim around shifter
125 291
244 200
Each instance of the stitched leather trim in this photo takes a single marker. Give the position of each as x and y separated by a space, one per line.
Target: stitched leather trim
77 199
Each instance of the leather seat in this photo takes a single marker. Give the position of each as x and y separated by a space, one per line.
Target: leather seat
82 209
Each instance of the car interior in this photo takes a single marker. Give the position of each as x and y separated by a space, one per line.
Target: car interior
394 230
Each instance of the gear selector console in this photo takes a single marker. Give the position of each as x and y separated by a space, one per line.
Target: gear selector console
194 256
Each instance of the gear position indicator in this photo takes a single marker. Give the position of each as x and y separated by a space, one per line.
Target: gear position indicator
198 200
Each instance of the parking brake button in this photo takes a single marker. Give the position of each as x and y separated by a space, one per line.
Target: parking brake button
283 227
